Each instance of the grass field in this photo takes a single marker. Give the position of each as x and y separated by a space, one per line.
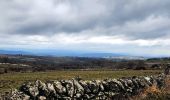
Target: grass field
14 80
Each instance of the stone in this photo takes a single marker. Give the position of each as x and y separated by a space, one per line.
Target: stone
42 98
59 88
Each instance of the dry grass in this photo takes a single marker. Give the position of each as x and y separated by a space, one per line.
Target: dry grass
154 93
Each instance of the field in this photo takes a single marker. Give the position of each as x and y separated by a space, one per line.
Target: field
14 80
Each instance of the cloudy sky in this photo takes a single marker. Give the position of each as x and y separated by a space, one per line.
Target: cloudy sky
137 27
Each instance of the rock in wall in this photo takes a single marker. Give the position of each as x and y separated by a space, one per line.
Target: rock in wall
78 89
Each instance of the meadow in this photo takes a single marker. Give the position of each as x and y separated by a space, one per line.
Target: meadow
14 80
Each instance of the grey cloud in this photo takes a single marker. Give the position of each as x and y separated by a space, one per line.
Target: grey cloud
74 16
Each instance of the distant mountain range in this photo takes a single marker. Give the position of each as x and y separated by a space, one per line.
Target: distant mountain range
61 53
13 52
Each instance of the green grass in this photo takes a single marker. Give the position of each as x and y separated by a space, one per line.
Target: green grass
14 80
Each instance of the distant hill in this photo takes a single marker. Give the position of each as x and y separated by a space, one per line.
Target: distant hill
59 53
66 53
13 52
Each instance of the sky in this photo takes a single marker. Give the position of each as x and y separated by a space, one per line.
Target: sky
136 27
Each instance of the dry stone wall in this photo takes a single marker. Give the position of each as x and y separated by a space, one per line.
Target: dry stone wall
78 89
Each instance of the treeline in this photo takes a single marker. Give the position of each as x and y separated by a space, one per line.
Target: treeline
42 63
162 59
